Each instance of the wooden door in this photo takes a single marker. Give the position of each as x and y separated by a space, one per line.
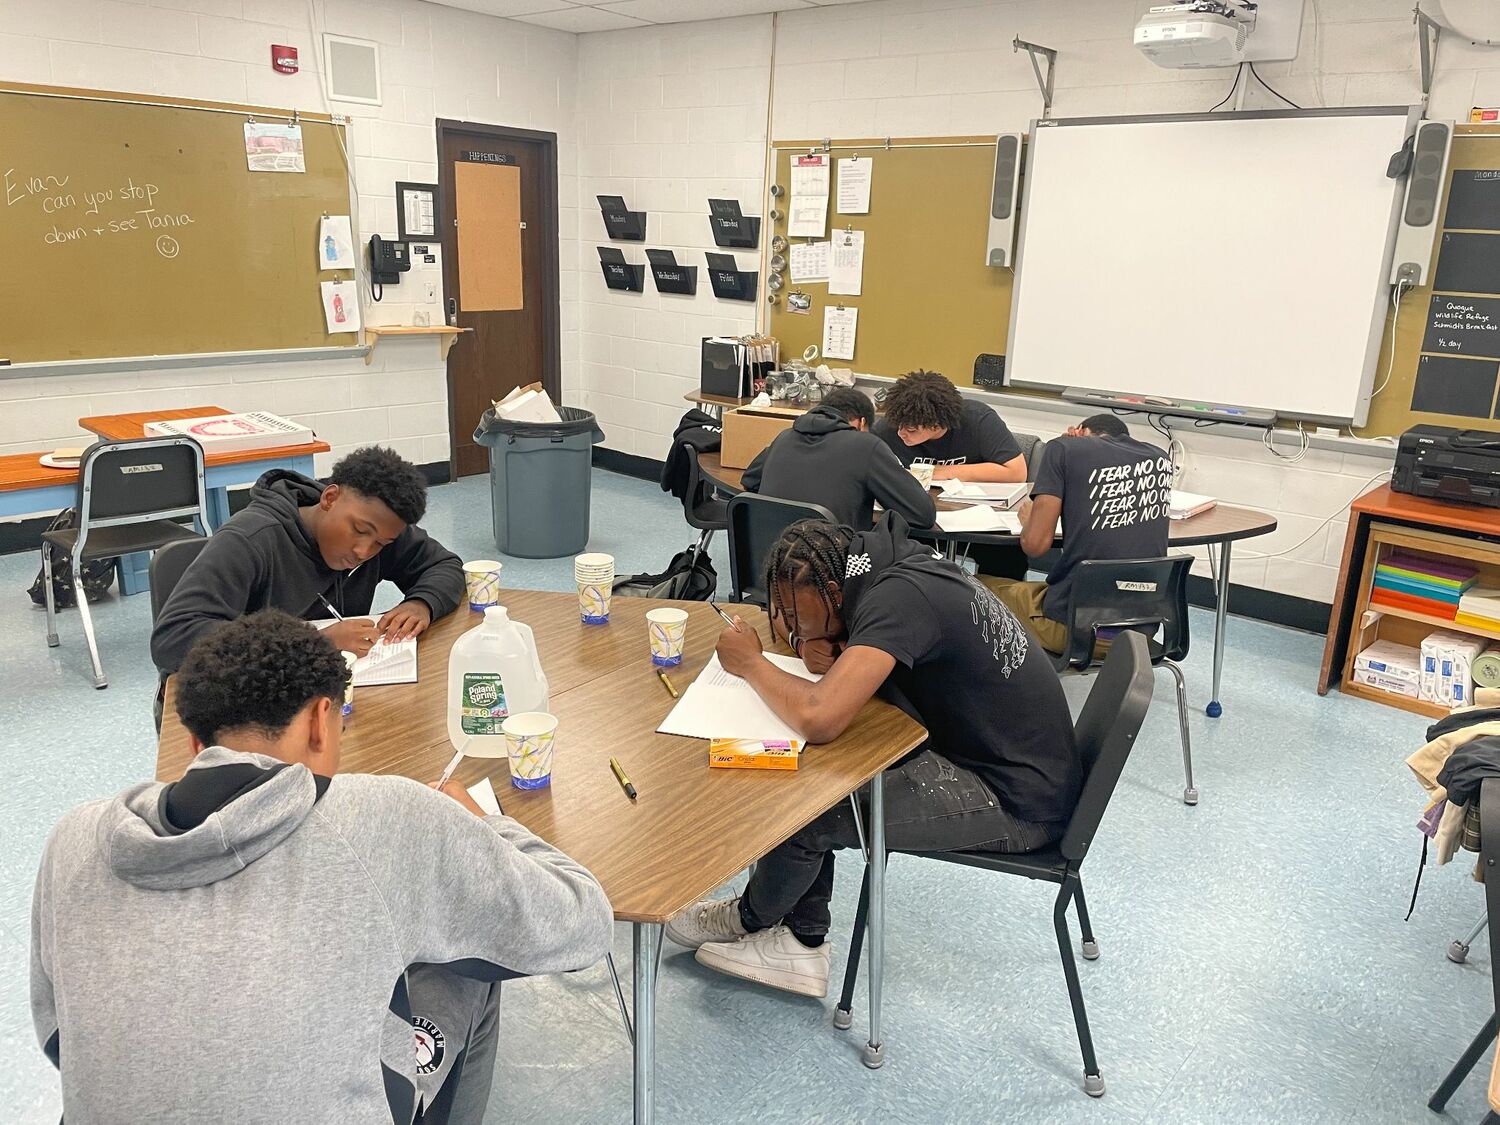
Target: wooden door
499 198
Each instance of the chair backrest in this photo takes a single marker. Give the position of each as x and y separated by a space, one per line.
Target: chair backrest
1104 733
755 523
122 482
168 565
1125 594
1489 858
1031 449
699 493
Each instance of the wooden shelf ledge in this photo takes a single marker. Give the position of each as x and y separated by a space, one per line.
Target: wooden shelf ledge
444 333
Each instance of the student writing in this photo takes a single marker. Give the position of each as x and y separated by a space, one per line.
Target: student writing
927 420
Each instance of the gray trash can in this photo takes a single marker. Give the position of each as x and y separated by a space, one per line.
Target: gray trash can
540 477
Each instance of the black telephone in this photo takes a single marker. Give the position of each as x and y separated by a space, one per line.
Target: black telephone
388 261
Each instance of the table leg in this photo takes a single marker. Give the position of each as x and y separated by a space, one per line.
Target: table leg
135 570
217 505
875 1051
645 936
1221 612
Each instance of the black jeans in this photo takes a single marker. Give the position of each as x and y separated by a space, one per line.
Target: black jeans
930 805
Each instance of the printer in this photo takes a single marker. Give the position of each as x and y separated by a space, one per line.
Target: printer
1448 464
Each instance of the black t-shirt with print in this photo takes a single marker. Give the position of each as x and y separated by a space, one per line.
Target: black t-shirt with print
967 670
1115 493
981 437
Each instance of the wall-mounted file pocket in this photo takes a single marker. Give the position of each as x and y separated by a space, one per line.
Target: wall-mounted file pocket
620 221
618 273
728 280
730 226
671 277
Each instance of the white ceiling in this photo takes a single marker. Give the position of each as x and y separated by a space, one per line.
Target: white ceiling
613 15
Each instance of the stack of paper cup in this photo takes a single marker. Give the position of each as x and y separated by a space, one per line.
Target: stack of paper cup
482 577
595 574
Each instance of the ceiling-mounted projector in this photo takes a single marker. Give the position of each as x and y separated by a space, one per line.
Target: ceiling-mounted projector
1196 33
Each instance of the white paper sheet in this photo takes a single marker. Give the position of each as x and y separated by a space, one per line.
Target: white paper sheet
807 211
847 270
387 664
418 217
809 261
980 517
274 148
839 328
483 792
718 705
854 185
335 243
340 306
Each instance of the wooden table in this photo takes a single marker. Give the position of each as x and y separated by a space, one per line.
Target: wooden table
1385 506
221 470
1220 526
715 404
691 830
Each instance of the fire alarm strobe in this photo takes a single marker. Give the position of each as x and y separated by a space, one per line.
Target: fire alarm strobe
283 59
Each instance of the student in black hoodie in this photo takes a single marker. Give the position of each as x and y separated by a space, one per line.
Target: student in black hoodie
830 457
879 615
309 548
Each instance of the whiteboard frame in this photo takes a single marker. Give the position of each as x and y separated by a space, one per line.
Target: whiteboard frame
1381 296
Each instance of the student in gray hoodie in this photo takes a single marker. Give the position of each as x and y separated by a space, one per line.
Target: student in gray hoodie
265 940
830 457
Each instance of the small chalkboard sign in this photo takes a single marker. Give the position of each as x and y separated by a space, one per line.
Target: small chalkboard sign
1473 200
1449 385
1468 263
1463 326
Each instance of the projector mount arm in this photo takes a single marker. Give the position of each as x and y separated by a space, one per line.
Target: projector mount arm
1043 84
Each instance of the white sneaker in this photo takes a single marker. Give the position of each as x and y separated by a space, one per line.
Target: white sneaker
774 957
708 919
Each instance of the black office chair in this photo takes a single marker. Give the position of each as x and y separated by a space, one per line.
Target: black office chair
168 566
1489 857
1105 731
755 523
702 506
1142 595
129 494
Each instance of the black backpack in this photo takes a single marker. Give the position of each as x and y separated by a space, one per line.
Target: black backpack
98 575
686 579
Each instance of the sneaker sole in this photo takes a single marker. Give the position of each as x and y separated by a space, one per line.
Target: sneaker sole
785 980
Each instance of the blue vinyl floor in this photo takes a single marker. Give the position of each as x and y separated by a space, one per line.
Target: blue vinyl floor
1255 964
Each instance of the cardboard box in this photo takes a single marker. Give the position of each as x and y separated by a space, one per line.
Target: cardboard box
753 754
750 429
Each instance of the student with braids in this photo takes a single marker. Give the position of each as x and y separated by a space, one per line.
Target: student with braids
880 615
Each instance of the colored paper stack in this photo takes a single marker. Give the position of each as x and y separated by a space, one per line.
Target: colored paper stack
1479 607
1422 584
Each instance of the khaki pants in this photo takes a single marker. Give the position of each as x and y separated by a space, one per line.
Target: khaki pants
1024 599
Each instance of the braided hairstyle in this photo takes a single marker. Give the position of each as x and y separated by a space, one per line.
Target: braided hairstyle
810 553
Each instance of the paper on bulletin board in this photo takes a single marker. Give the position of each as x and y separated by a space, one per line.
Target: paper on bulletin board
808 210
335 243
809 261
274 148
847 270
340 306
839 327
855 175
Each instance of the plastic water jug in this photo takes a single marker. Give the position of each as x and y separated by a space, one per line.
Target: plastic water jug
493 672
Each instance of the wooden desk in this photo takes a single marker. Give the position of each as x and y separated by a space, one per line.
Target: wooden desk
691 830
1380 504
715 404
1220 526
221 470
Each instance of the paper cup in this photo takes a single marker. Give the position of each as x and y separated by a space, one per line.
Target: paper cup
593 601
594 568
529 740
349 659
923 472
666 629
482 578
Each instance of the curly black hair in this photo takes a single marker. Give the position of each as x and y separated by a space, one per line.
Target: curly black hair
851 404
256 673
922 399
384 475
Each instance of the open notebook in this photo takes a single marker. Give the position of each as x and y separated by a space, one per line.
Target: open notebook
384 663
718 705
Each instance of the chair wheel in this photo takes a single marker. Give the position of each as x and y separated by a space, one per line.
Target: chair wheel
843 1020
1458 952
1190 796
874 1056
1091 951
1093 1085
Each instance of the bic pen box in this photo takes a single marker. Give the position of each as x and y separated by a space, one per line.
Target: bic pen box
753 754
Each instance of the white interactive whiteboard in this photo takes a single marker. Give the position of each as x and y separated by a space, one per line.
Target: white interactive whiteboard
1239 259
